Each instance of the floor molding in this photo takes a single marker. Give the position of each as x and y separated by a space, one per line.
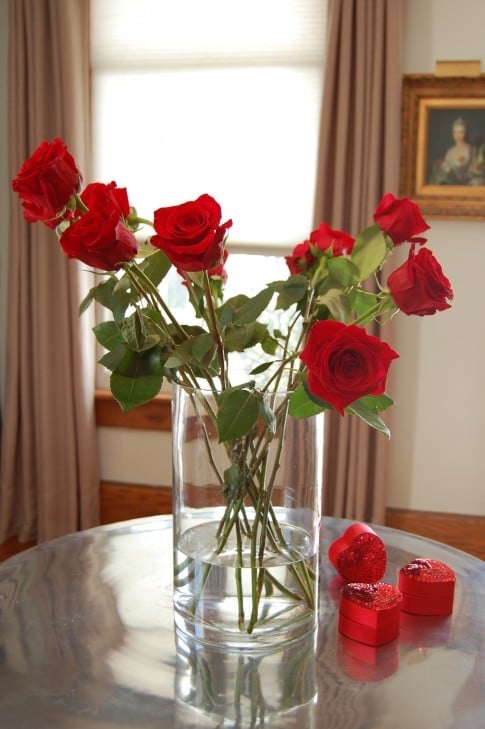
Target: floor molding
461 531
121 501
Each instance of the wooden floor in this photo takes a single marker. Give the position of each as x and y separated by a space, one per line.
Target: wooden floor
119 502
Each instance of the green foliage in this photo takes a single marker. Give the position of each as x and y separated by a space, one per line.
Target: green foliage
369 251
238 411
145 343
304 406
137 378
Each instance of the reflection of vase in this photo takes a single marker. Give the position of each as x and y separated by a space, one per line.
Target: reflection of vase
216 687
246 524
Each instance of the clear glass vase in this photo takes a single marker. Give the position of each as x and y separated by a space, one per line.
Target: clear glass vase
246 525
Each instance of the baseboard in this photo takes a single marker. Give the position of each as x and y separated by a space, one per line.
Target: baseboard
461 531
121 501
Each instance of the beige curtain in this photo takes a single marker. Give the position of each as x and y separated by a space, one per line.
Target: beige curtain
359 161
48 473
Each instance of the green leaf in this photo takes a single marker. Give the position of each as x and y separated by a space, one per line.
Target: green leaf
289 292
252 308
302 406
237 338
337 304
204 349
108 334
369 416
137 379
112 294
377 403
137 333
261 368
112 359
182 354
361 302
228 311
237 414
369 251
343 271
156 267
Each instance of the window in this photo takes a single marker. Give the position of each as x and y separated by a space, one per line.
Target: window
217 97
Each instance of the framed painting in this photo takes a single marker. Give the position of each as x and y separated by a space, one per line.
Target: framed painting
443 145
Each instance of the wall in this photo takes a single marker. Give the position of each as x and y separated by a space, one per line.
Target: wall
438 422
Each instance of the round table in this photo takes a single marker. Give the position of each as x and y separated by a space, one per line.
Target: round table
87 642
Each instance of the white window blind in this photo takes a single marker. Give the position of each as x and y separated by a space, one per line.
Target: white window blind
212 96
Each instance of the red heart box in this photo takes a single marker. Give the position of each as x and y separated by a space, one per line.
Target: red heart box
370 613
427 586
359 555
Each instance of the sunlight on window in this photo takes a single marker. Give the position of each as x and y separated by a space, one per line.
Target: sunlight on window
233 133
214 97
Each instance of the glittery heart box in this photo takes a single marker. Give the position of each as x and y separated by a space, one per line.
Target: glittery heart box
359 555
369 613
427 587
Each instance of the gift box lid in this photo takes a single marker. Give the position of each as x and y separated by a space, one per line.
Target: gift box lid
359 554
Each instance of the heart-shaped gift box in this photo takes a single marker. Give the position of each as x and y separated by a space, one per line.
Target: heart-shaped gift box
359 554
370 613
427 587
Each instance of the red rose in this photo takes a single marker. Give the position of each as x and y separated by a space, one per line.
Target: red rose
325 237
97 195
401 219
100 240
46 181
191 234
301 259
419 286
345 363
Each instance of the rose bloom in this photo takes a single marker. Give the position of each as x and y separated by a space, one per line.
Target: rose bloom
325 237
301 259
419 285
345 363
401 219
191 234
100 240
46 181
98 194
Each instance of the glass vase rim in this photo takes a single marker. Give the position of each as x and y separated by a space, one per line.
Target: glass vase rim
205 388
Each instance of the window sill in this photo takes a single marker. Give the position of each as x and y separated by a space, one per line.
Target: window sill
154 415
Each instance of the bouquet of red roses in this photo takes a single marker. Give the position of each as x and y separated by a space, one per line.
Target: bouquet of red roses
332 362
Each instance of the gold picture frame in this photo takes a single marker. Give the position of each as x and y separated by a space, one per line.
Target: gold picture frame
443 145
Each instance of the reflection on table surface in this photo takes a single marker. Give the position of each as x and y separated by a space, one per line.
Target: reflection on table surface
87 641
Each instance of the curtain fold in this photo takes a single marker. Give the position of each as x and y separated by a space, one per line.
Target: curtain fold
358 163
49 483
